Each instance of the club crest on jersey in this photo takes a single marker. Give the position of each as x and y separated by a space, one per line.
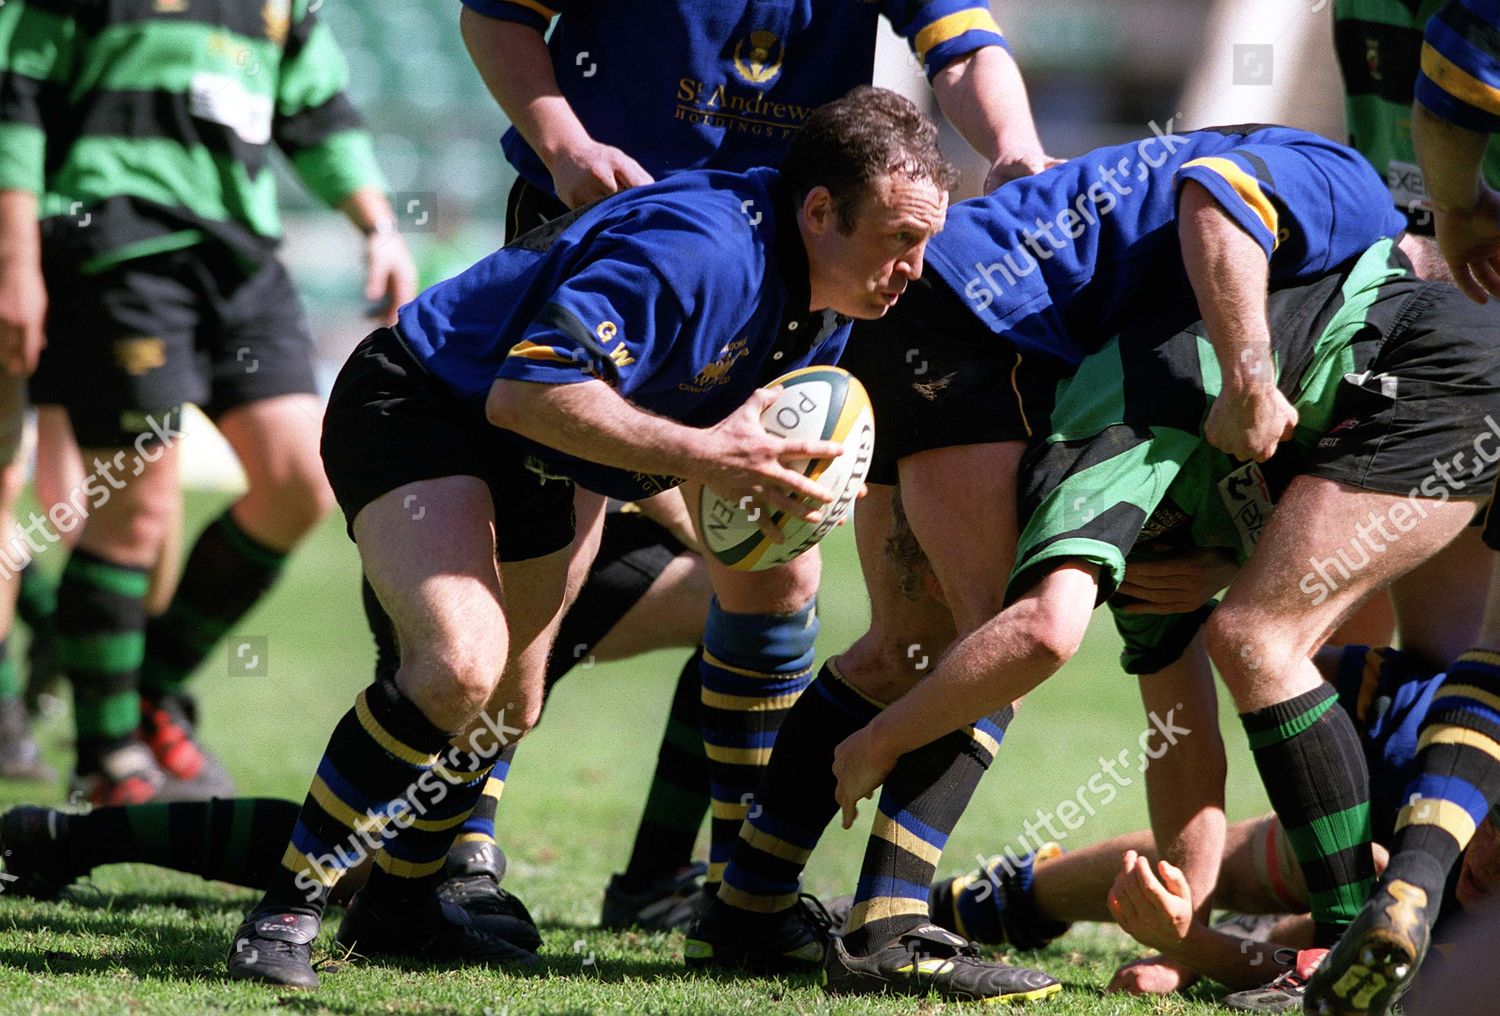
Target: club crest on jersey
760 63
717 373
277 15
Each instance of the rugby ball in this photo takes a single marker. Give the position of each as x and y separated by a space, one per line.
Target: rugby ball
818 404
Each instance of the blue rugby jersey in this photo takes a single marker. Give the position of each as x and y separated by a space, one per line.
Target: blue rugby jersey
1460 77
722 84
1056 262
1389 699
686 295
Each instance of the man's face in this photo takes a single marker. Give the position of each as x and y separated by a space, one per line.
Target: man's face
861 273
1480 875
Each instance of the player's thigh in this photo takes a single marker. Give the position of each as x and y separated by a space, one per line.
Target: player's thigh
783 589
1316 562
960 502
1439 618
435 575
276 441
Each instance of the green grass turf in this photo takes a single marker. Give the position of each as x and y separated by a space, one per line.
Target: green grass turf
145 940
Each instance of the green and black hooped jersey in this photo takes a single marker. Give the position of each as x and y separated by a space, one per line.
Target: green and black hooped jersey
1126 463
1379 45
146 125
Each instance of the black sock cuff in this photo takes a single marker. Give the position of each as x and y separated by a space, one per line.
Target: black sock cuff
247 546
1291 710
400 717
836 690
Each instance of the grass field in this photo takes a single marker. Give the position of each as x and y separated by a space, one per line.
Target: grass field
141 940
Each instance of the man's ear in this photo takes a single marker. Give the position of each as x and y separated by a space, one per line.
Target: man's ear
819 211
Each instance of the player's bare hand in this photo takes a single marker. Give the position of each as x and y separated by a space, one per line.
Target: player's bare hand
1151 975
390 275
1470 244
1157 912
594 171
742 459
1014 165
860 768
1249 421
23 314
1176 584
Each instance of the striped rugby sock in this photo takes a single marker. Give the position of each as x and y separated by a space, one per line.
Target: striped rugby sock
678 798
1457 779
795 801
101 632
227 573
754 667
919 805
479 826
1313 766
382 750
410 863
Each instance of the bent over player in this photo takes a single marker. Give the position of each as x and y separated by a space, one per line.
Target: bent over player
617 347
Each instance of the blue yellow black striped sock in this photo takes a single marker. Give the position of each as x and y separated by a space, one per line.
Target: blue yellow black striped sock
1313 767
1457 776
101 631
922 800
410 862
479 827
227 573
382 751
795 801
754 667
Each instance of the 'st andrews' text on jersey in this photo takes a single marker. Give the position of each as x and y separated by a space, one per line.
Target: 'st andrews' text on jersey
749 113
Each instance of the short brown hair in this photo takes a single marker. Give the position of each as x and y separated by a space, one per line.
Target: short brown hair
905 553
850 142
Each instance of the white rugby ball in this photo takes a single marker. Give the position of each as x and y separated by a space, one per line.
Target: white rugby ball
818 404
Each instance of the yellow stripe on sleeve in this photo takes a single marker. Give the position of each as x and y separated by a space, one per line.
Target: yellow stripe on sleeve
1459 83
951 27
533 351
532 5
1246 186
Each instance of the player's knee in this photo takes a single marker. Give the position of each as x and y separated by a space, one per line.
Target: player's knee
454 677
884 664
297 502
1244 648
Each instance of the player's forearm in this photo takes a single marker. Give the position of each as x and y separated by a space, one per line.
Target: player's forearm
516 67
1451 157
369 210
20 236
1229 275
984 97
992 666
591 421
